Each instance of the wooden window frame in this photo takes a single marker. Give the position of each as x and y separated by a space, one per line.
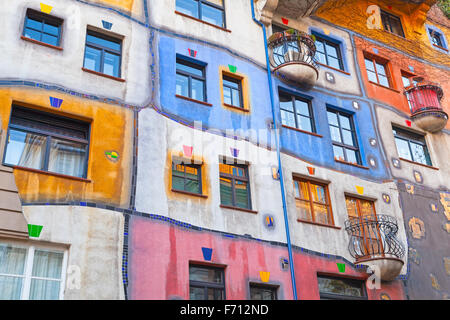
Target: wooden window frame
233 179
191 76
311 202
334 45
48 135
103 50
386 19
310 110
208 285
412 139
199 177
342 144
385 63
44 19
200 4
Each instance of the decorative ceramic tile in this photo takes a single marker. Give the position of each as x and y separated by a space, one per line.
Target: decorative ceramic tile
386 198
417 228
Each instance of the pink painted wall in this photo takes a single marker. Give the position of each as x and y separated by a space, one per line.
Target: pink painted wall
159 256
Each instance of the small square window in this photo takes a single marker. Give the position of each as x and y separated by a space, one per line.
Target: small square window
187 177
190 80
392 23
206 283
262 292
411 146
211 11
103 53
234 186
42 27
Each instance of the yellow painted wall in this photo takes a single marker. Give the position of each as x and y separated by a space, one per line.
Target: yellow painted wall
111 130
127 5
352 15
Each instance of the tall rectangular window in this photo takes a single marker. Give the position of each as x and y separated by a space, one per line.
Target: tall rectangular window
333 288
187 177
377 71
47 142
42 27
191 80
312 201
30 273
411 146
262 292
392 23
103 53
343 136
296 112
206 283
232 92
211 11
234 186
329 53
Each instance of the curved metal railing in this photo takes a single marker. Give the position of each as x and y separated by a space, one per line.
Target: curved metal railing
374 237
292 46
424 96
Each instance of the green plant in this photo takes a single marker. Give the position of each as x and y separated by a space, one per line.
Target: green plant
445 7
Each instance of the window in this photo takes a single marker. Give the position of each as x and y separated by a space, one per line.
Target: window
392 23
329 53
312 201
191 81
377 71
47 142
296 112
436 38
211 11
234 186
343 136
368 242
260 292
30 273
187 178
232 92
411 146
42 27
206 283
332 288
103 53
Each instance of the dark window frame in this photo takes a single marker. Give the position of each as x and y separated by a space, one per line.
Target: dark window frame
44 19
239 84
354 135
387 19
336 46
233 179
207 285
48 135
199 176
326 295
412 137
376 60
201 3
436 35
103 49
191 76
266 287
310 110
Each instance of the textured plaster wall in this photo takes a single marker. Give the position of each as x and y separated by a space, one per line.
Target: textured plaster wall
94 239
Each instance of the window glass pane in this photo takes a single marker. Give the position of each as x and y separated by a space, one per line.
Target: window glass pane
338 153
47 264
198 90
321 214
192 172
352 209
372 76
318 193
348 137
52 40
12 260
332 118
215 294
304 123
212 15
10 288
32 34
369 65
406 81
189 7
34 24
420 154
67 158
304 210
302 107
288 118
319 46
189 69
182 85
217 2
334 62
335 134
331 51
236 98
25 149
261 293
178 183
241 190
51 29
383 80
321 57
226 95
226 192
396 26
302 190
196 293
367 209
381 69
103 42
231 84
341 286
351 156
111 65
192 186
44 289
205 274
345 122
92 59
286 103
403 149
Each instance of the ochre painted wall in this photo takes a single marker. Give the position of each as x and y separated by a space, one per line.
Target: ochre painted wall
111 130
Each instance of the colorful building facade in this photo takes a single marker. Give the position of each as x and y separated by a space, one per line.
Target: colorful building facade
193 149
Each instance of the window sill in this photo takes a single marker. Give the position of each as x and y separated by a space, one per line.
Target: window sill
239 209
302 131
236 108
190 193
338 70
204 22
351 164
41 43
103 75
380 85
439 47
319 224
419 164
59 175
193 100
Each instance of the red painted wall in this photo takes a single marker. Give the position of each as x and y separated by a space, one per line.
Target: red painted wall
159 256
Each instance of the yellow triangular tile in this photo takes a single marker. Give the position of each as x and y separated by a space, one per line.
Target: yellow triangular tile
360 190
46 8
265 276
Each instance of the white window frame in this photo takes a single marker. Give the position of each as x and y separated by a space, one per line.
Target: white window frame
29 259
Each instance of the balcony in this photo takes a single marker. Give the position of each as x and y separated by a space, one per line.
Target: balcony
425 102
292 57
373 242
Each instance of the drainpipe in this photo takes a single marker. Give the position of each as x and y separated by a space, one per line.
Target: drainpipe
280 169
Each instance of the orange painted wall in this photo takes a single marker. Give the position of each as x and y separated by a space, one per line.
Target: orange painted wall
111 130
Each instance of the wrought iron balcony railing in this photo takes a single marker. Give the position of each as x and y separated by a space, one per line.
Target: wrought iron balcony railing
374 237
